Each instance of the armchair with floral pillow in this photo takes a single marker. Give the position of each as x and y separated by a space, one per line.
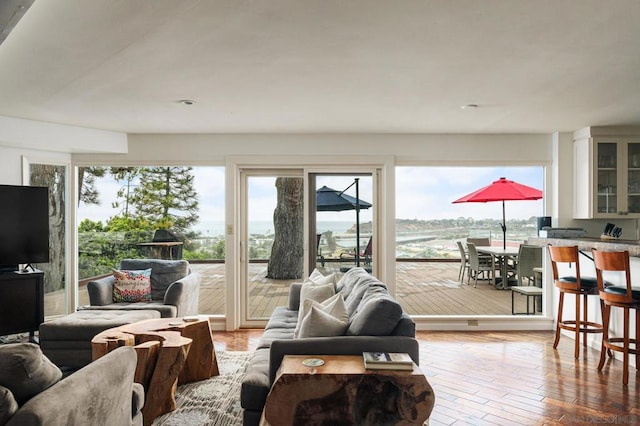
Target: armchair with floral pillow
167 286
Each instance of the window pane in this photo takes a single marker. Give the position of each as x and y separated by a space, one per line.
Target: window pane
132 203
428 225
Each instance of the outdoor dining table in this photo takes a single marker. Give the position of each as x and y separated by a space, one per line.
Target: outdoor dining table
500 255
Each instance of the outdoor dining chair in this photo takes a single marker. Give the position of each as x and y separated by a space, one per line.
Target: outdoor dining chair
479 241
479 265
529 257
464 261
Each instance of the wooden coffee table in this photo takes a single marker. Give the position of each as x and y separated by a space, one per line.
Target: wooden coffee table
342 391
170 351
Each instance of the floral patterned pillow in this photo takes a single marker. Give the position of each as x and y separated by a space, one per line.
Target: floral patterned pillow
132 286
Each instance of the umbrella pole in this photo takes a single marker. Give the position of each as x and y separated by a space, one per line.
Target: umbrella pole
357 222
504 229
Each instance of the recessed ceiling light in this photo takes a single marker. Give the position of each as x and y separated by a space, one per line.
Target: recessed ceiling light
469 106
186 102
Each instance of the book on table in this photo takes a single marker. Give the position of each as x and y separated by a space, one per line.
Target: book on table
387 361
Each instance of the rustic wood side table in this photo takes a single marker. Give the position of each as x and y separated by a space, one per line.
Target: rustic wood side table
343 391
170 351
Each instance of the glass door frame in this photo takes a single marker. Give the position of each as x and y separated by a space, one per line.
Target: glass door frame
245 175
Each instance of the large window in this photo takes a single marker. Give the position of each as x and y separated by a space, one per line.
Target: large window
122 209
429 225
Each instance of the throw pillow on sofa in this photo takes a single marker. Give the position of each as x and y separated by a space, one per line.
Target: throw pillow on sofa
318 323
25 371
319 293
333 306
132 286
317 278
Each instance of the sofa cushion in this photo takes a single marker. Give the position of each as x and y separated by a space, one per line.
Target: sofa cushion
163 273
255 382
274 334
132 286
282 318
8 405
362 285
318 323
349 279
25 371
377 315
165 311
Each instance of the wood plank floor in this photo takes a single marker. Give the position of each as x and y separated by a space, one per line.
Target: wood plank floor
510 378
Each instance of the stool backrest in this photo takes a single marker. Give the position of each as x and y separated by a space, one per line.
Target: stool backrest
613 261
565 254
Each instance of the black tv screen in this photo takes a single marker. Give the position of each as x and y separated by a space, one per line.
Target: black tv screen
24 225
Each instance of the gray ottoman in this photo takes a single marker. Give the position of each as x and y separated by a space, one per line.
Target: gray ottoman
66 341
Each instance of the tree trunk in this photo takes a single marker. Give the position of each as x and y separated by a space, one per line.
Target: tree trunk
53 177
286 260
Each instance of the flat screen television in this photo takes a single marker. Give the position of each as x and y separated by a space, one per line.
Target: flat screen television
24 226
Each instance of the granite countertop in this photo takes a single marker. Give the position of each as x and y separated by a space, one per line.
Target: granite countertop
588 243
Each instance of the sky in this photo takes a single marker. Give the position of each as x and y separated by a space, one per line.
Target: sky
421 193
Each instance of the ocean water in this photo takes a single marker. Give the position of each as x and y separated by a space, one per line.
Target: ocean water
213 228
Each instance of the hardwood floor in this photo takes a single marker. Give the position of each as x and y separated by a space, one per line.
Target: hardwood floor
510 378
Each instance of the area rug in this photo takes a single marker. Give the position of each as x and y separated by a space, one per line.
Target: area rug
215 401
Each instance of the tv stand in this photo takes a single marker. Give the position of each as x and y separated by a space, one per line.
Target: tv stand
21 303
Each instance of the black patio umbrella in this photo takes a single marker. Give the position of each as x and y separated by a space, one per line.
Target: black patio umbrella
331 200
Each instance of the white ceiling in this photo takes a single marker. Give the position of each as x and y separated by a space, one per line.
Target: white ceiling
325 66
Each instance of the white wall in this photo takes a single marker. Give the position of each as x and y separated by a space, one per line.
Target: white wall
20 133
407 149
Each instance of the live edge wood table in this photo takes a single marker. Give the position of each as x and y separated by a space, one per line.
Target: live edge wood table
170 351
343 392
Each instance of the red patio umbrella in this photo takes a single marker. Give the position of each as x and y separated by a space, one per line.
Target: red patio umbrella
502 190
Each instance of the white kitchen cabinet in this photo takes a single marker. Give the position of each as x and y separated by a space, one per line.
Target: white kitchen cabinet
606 173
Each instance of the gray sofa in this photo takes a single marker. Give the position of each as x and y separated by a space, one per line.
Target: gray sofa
376 323
175 289
102 393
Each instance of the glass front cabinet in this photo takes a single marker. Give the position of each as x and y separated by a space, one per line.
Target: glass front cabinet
606 177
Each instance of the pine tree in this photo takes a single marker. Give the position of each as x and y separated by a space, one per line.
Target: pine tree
166 197
87 191
126 176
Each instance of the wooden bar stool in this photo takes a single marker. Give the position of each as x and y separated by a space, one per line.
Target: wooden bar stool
579 286
620 296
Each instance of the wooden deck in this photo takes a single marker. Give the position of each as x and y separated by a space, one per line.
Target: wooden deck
423 288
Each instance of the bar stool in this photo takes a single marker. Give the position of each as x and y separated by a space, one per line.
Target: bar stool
620 296
579 286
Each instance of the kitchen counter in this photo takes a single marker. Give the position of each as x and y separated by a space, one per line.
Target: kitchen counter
588 243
